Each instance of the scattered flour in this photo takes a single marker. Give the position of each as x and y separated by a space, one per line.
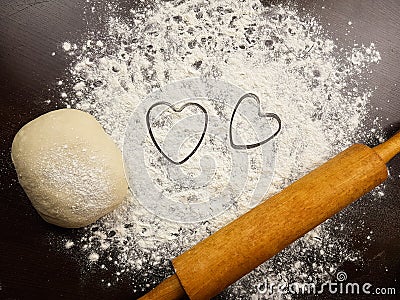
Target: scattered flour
66 46
275 52
93 257
69 244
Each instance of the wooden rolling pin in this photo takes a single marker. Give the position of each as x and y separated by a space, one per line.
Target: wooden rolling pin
218 261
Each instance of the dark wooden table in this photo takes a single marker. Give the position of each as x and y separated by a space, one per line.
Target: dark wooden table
31 30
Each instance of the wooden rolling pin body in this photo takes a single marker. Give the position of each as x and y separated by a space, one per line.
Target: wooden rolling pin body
218 261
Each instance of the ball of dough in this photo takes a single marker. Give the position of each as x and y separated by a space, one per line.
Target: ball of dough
69 167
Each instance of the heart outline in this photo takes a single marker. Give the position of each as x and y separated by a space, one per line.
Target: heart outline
173 107
268 115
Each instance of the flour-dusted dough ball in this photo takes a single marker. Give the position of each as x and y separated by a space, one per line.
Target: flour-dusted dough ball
69 167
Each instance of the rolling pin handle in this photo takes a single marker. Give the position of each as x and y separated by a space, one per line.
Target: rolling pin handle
169 289
389 149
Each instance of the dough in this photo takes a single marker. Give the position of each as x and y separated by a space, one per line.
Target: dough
69 167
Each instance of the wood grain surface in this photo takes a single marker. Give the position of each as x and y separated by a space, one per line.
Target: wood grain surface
32 268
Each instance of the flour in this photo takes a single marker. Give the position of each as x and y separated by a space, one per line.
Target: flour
284 57
66 46
69 244
93 257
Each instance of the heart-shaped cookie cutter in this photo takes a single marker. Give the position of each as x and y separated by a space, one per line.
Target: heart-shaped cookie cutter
267 115
171 106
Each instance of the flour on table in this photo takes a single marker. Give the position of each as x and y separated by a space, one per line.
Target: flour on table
93 257
69 244
66 46
284 57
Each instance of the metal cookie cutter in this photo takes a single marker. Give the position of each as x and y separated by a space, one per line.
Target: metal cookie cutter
268 115
177 110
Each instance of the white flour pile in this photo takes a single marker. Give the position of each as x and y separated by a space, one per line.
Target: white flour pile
275 52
